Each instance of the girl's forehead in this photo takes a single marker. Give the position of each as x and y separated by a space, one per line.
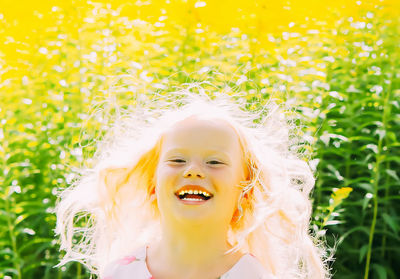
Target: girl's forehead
201 122
201 133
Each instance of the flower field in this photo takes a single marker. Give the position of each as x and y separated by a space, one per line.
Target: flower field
67 68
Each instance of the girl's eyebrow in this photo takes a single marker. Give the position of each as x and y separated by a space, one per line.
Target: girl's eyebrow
208 152
171 150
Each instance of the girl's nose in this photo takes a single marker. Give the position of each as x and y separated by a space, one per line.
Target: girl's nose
193 171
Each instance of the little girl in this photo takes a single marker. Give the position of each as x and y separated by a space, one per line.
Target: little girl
204 189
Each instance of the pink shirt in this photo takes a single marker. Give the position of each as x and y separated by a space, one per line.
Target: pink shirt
134 267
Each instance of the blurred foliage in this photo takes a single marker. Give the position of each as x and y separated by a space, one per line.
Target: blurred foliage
66 66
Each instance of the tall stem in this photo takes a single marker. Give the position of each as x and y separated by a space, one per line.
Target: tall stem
386 167
379 156
78 271
13 239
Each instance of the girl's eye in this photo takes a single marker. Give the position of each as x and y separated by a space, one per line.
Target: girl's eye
177 161
214 162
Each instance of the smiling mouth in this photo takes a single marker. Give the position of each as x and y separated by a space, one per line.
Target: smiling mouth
193 193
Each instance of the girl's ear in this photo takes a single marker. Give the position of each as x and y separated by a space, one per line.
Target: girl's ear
153 197
235 217
243 202
151 189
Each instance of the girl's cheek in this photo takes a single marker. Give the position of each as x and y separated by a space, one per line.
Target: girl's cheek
165 170
170 172
167 177
222 173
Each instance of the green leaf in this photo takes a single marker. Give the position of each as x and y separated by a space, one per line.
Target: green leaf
373 147
10 270
391 222
6 251
366 186
363 252
335 172
366 201
34 242
393 174
392 159
380 270
355 229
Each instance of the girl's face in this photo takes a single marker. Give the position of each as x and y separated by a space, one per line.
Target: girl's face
199 172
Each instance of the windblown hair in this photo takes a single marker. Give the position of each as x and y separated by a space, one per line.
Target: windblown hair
108 212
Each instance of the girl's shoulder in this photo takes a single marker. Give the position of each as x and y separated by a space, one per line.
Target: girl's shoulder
125 267
248 267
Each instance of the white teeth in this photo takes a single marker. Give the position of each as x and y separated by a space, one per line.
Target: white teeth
196 192
191 199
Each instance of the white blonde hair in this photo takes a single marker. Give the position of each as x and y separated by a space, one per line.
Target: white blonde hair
108 212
